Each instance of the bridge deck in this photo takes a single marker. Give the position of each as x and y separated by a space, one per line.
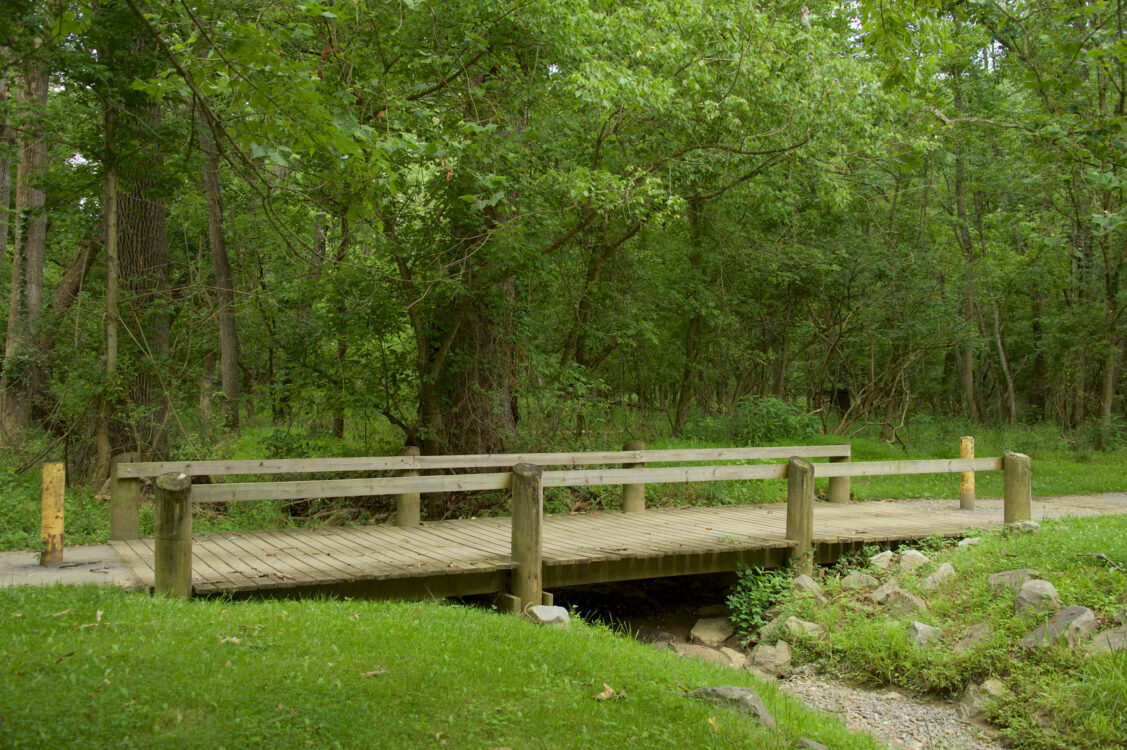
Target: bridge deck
462 557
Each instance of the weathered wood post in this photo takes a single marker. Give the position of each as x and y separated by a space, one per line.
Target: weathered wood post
1017 487
800 513
172 531
966 478
634 495
125 501
528 535
839 486
51 524
407 505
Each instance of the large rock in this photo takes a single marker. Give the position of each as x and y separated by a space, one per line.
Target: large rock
1023 527
1109 640
970 541
1009 581
1036 596
796 628
738 659
977 697
555 617
924 635
741 698
706 654
1070 626
805 743
881 560
810 586
712 631
772 660
976 635
902 604
937 578
912 559
858 581
885 591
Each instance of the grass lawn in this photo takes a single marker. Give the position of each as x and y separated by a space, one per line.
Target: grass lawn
100 668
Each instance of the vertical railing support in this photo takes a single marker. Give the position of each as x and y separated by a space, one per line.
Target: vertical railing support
1017 488
407 505
125 501
528 535
172 532
51 525
839 486
966 478
634 495
800 513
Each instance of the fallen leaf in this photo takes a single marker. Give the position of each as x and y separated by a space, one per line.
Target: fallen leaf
130 703
98 616
228 663
354 615
715 724
17 614
230 639
60 614
375 672
608 692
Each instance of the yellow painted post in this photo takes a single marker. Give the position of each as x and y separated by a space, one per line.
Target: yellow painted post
800 513
1017 488
51 525
528 535
966 478
839 486
125 501
407 505
172 532
634 495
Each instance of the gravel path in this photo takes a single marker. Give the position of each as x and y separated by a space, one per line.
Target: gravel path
898 721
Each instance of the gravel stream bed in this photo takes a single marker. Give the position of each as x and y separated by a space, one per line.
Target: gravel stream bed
894 719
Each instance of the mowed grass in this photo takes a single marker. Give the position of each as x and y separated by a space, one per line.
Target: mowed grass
1058 697
98 668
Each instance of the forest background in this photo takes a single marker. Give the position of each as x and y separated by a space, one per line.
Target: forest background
481 226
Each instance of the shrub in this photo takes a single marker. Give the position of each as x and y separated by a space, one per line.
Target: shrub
755 592
757 421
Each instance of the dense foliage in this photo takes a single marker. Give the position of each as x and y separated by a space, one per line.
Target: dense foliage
483 225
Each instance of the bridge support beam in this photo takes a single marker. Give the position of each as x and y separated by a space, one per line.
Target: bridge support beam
800 513
407 505
172 532
634 495
1017 489
528 535
966 479
839 486
125 501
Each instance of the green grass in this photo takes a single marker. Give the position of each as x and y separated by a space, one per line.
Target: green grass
1060 697
98 668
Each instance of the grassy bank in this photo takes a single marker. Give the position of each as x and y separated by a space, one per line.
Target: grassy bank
93 668
1058 697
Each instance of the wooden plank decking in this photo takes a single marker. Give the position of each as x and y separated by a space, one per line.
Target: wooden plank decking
462 557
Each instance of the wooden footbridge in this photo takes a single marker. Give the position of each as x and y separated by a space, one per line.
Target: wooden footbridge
529 552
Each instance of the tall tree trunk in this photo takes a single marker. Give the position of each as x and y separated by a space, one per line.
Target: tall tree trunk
224 283
5 166
20 372
693 331
965 352
102 441
342 342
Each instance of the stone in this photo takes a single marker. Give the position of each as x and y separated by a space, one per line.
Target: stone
796 628
1068 627
702 653
1023 527
1109 640
858 581
924 635
902 604
805 743
970 541
1009 581
743 699
976 635
939 576
712 631
738 659
555 617
809 585
1036 596
977 698
773 660
760 674
885 591
912 559
881 560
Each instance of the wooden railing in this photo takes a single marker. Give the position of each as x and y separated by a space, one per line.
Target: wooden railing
527 479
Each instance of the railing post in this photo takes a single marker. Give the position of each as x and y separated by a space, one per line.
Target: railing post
407 505
839 486
1017 487
966 478
634 495
51 524
125 501
800 513
172 530
528 535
